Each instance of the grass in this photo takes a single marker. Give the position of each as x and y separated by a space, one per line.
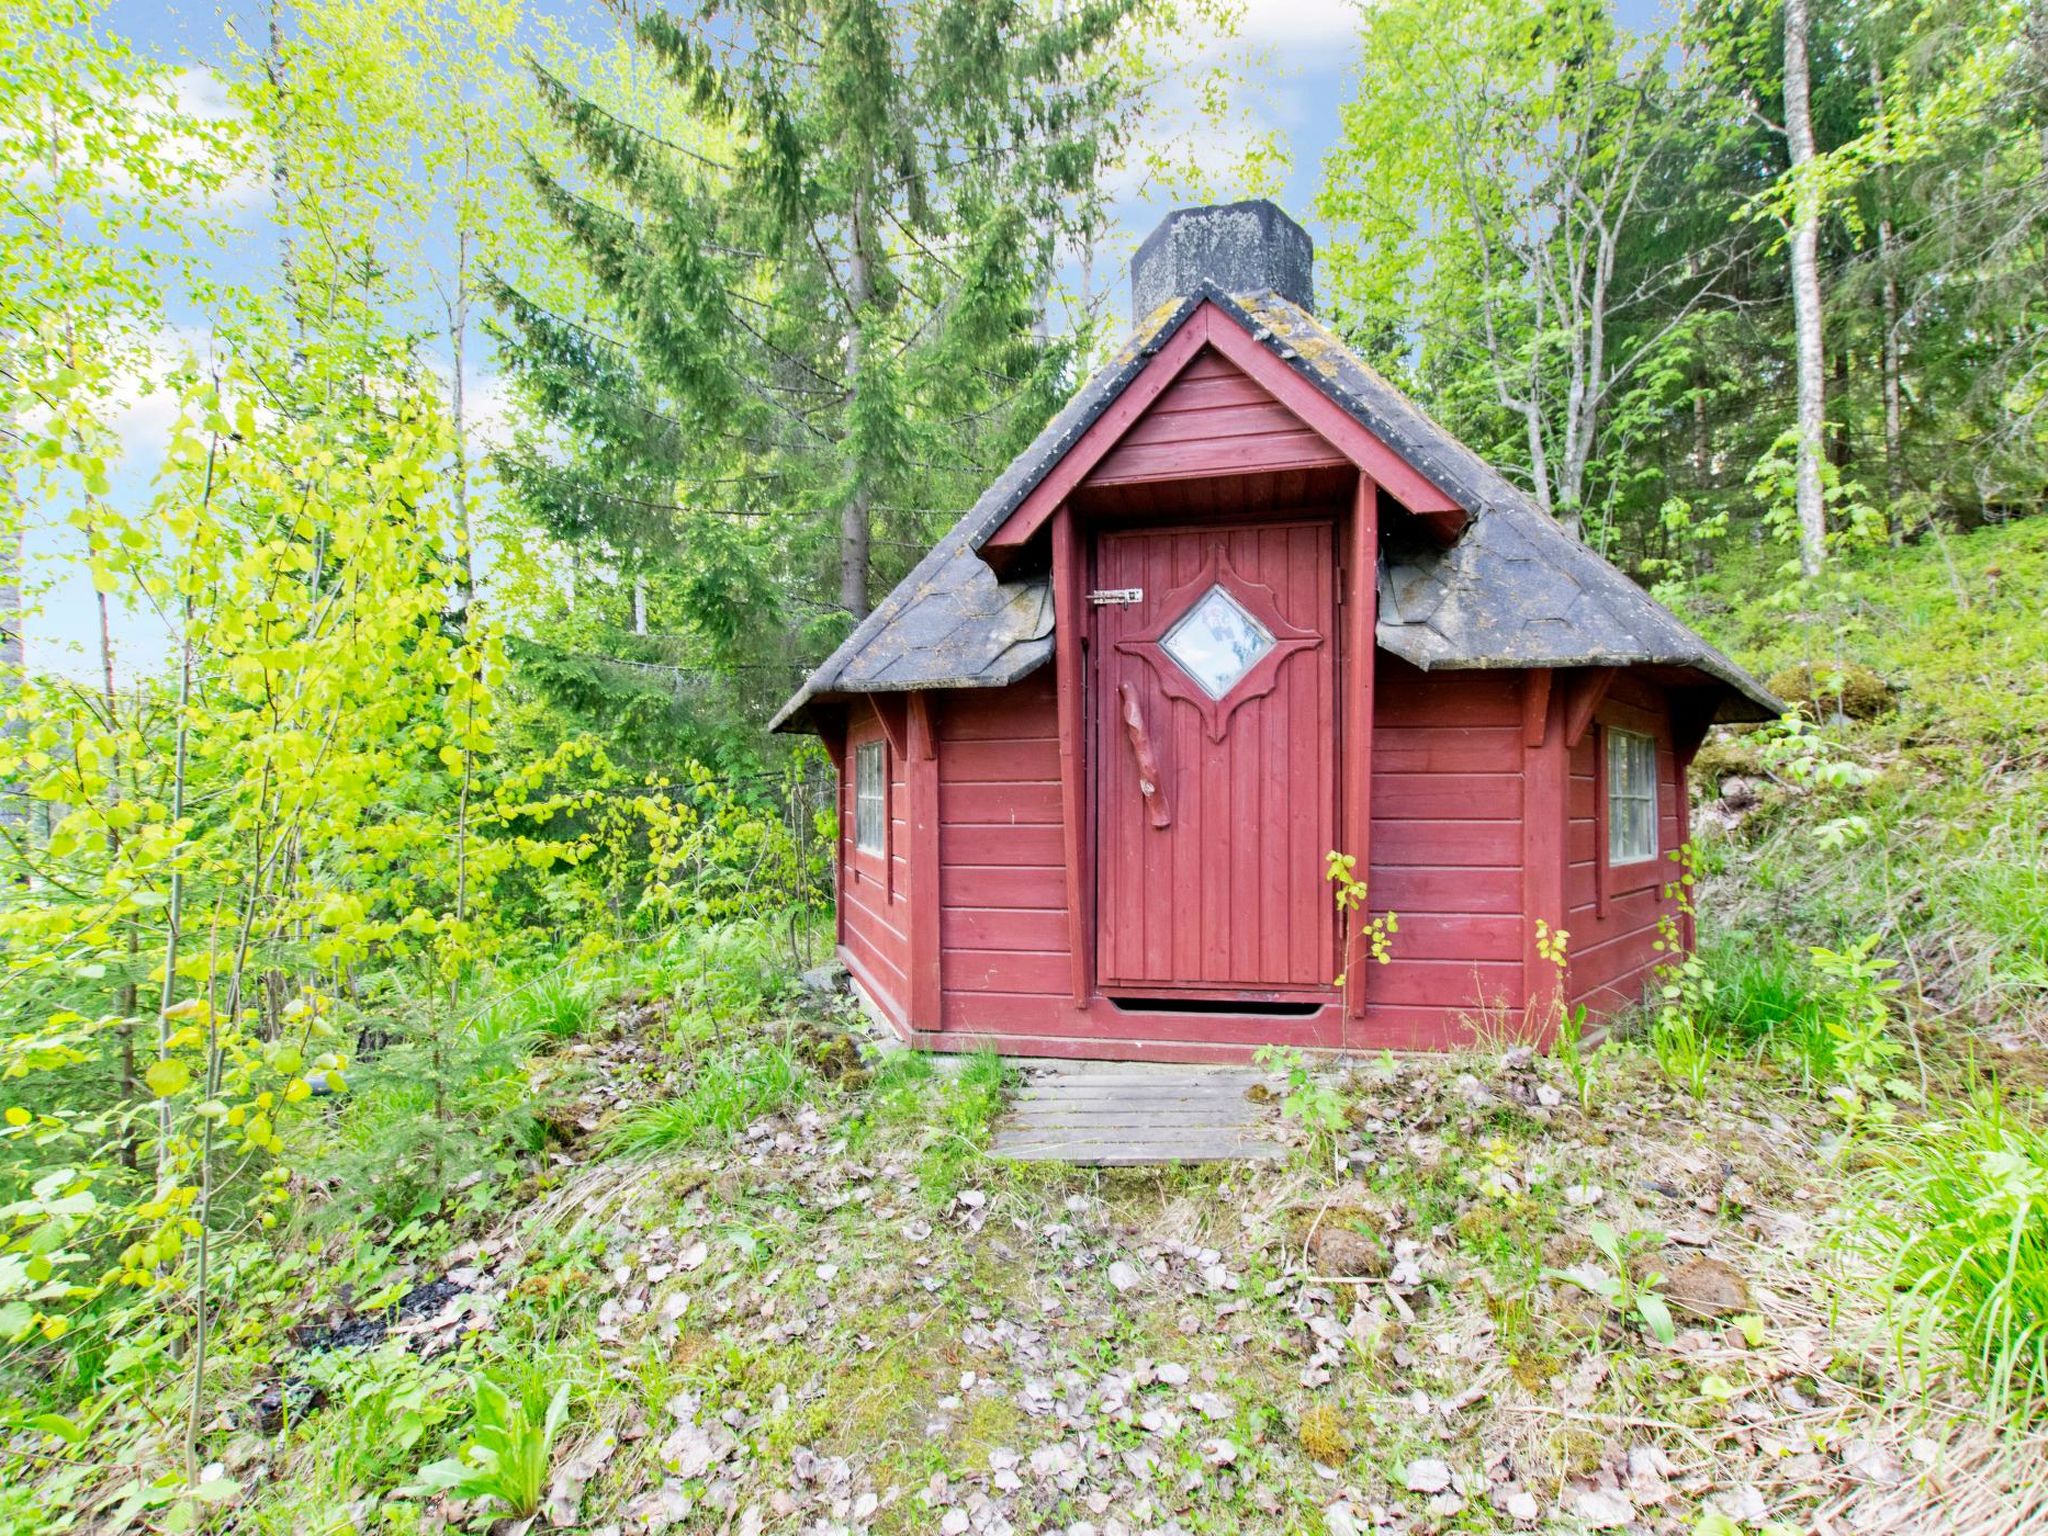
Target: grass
1958 1217
730 1091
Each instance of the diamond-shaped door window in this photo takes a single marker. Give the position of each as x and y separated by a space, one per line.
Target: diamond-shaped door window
1216 642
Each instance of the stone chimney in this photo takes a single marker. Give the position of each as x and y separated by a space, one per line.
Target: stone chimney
1248 247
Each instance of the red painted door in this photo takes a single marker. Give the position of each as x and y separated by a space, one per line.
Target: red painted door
1214 737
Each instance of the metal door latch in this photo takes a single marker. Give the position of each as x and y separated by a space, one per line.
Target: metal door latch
1117 597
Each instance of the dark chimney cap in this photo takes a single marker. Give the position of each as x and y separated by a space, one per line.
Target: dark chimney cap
1247 247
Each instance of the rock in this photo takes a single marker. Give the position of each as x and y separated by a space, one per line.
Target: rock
1706 1288
827 980
1350 1253
1123 1276
1832 689
1427 1476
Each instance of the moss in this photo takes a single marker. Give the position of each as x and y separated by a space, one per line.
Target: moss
1579 1450
1832 688
1323 1435
1726 755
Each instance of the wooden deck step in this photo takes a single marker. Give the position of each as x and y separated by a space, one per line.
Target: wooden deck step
1127 1115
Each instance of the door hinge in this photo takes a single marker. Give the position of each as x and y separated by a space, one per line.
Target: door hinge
1117 596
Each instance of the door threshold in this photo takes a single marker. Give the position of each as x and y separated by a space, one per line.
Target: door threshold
1267 1008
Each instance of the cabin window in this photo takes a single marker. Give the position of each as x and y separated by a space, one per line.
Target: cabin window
1631 797
1216 642
870 797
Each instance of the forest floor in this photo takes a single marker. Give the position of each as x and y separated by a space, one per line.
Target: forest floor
849 1319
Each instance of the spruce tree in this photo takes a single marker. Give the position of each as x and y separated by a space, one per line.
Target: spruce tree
822 318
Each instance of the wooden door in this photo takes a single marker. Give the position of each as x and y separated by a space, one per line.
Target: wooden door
1214 738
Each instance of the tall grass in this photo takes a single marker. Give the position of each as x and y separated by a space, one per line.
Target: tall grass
1958 1216
2004 895
728 1093
1764 999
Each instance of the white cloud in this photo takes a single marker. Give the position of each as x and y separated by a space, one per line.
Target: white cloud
200 97
144 404
1310 28
487 412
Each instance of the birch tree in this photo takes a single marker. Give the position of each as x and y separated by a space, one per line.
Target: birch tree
1485 190
1803 254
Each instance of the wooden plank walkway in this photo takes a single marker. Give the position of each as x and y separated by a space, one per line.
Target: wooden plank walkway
1127 1114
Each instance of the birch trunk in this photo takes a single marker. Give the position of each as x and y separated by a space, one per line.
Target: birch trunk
855 517
1806 299
1888 352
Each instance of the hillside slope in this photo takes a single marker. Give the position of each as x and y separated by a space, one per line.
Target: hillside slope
1952 876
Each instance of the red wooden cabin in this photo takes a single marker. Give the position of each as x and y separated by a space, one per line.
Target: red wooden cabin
1239 605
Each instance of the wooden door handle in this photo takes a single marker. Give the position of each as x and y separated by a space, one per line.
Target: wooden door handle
1148 765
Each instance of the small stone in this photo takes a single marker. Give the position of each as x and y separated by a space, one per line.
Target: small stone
1706 1288
1123 1276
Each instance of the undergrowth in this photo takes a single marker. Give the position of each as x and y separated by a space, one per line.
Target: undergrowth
1956 1213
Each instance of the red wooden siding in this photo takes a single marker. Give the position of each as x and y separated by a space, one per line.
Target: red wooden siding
1446 853
874 891
1002 870
1613 951
1213 420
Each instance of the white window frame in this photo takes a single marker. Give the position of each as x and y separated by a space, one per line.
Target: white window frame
871 797
1632 808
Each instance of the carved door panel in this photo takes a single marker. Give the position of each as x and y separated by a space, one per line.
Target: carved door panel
1214 739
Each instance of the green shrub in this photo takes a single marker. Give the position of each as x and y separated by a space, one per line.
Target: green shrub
1958 1216
1764 1000
726 974
558 1006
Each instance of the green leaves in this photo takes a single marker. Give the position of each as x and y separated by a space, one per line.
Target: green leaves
1618 1285
508 1452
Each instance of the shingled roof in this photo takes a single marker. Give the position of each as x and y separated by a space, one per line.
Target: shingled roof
1513 590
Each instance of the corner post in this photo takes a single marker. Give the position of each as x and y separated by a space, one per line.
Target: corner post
921 762
1692 716
1361 623
1069 609
1546 786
